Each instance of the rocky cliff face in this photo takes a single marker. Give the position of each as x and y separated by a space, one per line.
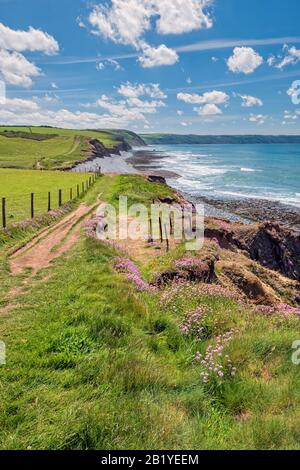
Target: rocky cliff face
276 248
270 244
100 151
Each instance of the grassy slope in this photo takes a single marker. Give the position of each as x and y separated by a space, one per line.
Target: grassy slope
104 136
94 364
59 152
17 185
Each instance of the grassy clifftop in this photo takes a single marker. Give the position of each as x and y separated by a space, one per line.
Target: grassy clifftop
54 148
97 360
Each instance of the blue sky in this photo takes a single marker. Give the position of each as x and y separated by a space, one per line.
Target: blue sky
186 66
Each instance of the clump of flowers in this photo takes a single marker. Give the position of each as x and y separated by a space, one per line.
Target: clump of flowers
215 365
91 225
133 274
191 326
179 291
281 309
191 264
216 290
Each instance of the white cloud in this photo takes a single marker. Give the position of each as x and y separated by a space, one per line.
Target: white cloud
63 118
177 17
108 63
155 57
132 107
258 118
180 113
31 40
16 69
244 60
127 21
53 85
208 110
19 105
249 101
291 116
212 97
292 57
271 60
134 90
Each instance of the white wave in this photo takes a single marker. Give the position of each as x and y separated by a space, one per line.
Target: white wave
283 198
248 170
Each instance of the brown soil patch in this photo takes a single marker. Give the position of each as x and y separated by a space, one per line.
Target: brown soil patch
54 242
43 249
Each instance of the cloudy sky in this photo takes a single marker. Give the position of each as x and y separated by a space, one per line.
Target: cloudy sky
186 66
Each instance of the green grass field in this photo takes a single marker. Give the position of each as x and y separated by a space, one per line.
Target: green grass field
59 151
108 139
17 185
94 364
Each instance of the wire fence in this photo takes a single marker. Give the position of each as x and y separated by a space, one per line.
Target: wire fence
31 205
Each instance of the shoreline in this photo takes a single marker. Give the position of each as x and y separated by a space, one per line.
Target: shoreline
243 210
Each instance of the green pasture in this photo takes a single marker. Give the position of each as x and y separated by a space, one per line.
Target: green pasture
16 187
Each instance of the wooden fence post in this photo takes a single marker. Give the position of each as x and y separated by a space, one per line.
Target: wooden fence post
82 188
59 198
151 231
167 239
32 205
171 225
3 212
161 230
78 192
49 201
71 194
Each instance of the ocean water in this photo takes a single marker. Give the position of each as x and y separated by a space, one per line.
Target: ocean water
270 172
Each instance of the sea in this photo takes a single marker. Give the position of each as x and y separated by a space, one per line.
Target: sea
269 172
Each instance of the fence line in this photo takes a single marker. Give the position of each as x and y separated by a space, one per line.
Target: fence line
50 197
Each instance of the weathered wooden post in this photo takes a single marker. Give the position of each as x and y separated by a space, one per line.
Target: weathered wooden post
32 205
167 239
161 230
59 198
78 190
150 231
3 212
49 201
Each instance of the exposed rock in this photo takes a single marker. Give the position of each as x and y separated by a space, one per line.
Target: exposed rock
98 150
270 244
203 271
254 289
275 247
156 179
